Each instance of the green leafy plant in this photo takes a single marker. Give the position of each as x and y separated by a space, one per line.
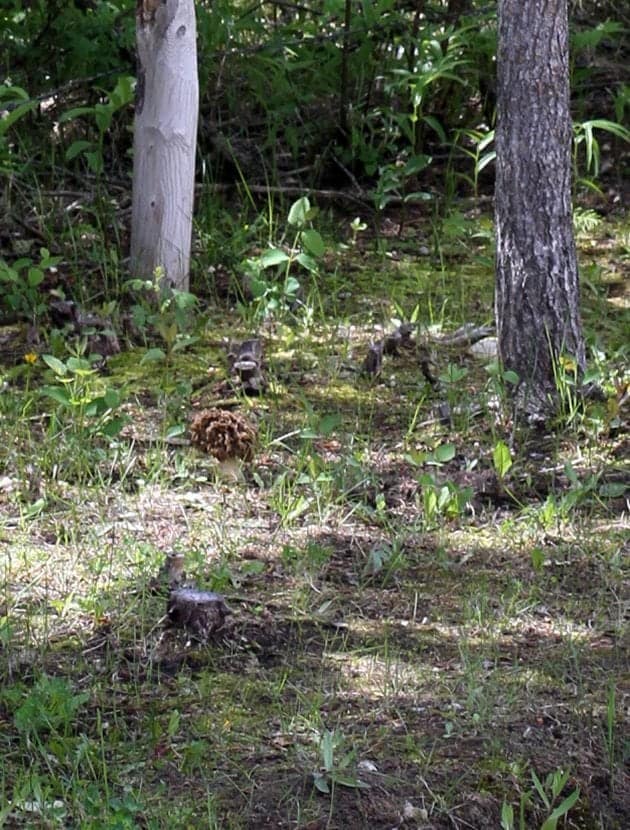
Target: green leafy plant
585 221
548 793
167 311
436 63
584 136
85 404
335 770
50 707
439 499
273 285
502 459
103 114
310 559
500 379
357 226
22 280
475 144
383 560
445 499
15 104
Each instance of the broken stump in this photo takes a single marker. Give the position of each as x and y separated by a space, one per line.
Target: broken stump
201 613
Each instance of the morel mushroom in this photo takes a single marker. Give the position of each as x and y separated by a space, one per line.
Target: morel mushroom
227 436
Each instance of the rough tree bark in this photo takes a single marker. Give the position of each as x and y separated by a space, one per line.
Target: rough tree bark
165 135
537 290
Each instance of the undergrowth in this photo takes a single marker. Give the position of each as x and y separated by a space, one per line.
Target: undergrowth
429 607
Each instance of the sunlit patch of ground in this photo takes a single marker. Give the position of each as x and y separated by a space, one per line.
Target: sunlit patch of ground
415 632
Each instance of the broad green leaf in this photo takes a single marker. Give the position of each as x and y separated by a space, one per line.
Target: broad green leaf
507 816
79 365
122 94
607 126
510 376
55 364
321 783
57 394
416 164
613 490
78 147
434 123
327 748
486 140
307 262
347 781
485 160
418 196
95 161
74 113
111 398
8 274
443 453
10 91
95 407
35 509
541 790
23 262
113 427
174 431
46 260
274 256
313 242
184 342
329 423
153 356
444 497
15 114
561 810
35 277
501 458
103 117
299 210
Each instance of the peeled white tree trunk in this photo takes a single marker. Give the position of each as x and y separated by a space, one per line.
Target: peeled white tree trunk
165 135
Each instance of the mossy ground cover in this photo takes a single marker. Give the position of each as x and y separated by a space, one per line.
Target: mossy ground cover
422 635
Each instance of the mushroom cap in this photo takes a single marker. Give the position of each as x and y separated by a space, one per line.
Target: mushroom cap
223 434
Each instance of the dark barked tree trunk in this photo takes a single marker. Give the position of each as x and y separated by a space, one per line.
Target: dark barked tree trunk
537 301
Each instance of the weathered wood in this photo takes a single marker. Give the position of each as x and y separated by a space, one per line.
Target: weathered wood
245 365
400 338
537 294
373 363
201 613
165 133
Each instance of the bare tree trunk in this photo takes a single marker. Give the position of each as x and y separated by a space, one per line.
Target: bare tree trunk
165 133
537 291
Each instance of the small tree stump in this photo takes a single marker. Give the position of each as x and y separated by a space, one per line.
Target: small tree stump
373 362
201 613
400 338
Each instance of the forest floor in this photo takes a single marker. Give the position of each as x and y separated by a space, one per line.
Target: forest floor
429 622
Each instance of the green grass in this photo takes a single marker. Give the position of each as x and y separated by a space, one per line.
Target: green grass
400 647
